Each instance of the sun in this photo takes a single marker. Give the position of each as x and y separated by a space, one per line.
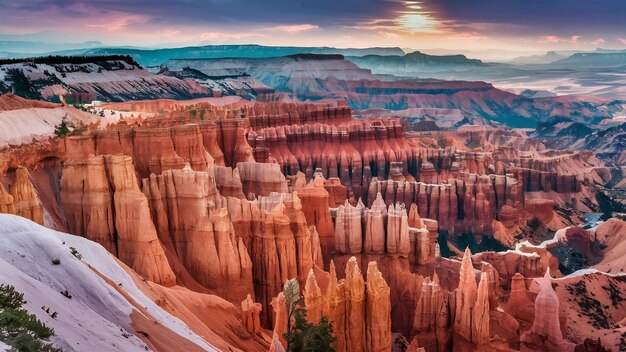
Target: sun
416 19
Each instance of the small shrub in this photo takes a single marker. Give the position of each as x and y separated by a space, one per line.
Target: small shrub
76 253
534 223
62 129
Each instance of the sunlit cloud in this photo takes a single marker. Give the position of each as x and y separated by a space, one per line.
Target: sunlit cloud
557 39
598 41
293 28
221 36
119 22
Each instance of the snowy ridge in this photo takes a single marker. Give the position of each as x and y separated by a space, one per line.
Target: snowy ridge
97 317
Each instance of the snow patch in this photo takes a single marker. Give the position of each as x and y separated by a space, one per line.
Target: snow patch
97 317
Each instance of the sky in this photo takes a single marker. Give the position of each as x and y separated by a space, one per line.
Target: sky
470 26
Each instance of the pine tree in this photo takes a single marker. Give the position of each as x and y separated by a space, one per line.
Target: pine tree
62 129
301 335
20 329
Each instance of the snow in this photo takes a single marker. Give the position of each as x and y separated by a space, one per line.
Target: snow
20 126
4 346
97 315
589 271
24 125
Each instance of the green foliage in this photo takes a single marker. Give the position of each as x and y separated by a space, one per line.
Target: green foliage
534 223
21 85
62 130
20 329
59 59
76 253
301 335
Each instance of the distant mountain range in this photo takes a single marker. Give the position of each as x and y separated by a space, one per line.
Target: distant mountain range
594 59
415 63
157 57
547 58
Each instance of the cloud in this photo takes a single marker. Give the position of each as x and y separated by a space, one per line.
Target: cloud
563 18
553 39
293 28
598 41
225 36
119 22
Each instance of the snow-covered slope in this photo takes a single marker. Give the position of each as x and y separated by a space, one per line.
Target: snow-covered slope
22 120
105 301
105 80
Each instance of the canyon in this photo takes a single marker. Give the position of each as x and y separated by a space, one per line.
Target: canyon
203 209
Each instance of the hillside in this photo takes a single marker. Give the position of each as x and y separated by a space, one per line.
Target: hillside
23 120
101 304
93 77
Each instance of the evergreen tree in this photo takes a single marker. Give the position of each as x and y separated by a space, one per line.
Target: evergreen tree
20 329
301 335
62 130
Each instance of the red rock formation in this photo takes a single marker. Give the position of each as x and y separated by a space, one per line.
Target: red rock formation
545 334
377 311
315 202
280 322
465 298
103 202
280 243
250 312
519 305
261 179
480 312
348 231
358 310
198 232
467 205
23 199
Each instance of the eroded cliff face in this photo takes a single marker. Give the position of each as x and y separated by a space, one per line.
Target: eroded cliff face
234 201
106 205
357 307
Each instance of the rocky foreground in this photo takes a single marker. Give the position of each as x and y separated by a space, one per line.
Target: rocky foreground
195 215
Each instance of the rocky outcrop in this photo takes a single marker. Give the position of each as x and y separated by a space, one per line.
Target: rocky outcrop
466 205
250 312
348 230
471 319
280 322
480 312
280 243
103 202
315 206
519 305
196 228
379 230
359 310
377 311
465 298
545 334
23 199
261 179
